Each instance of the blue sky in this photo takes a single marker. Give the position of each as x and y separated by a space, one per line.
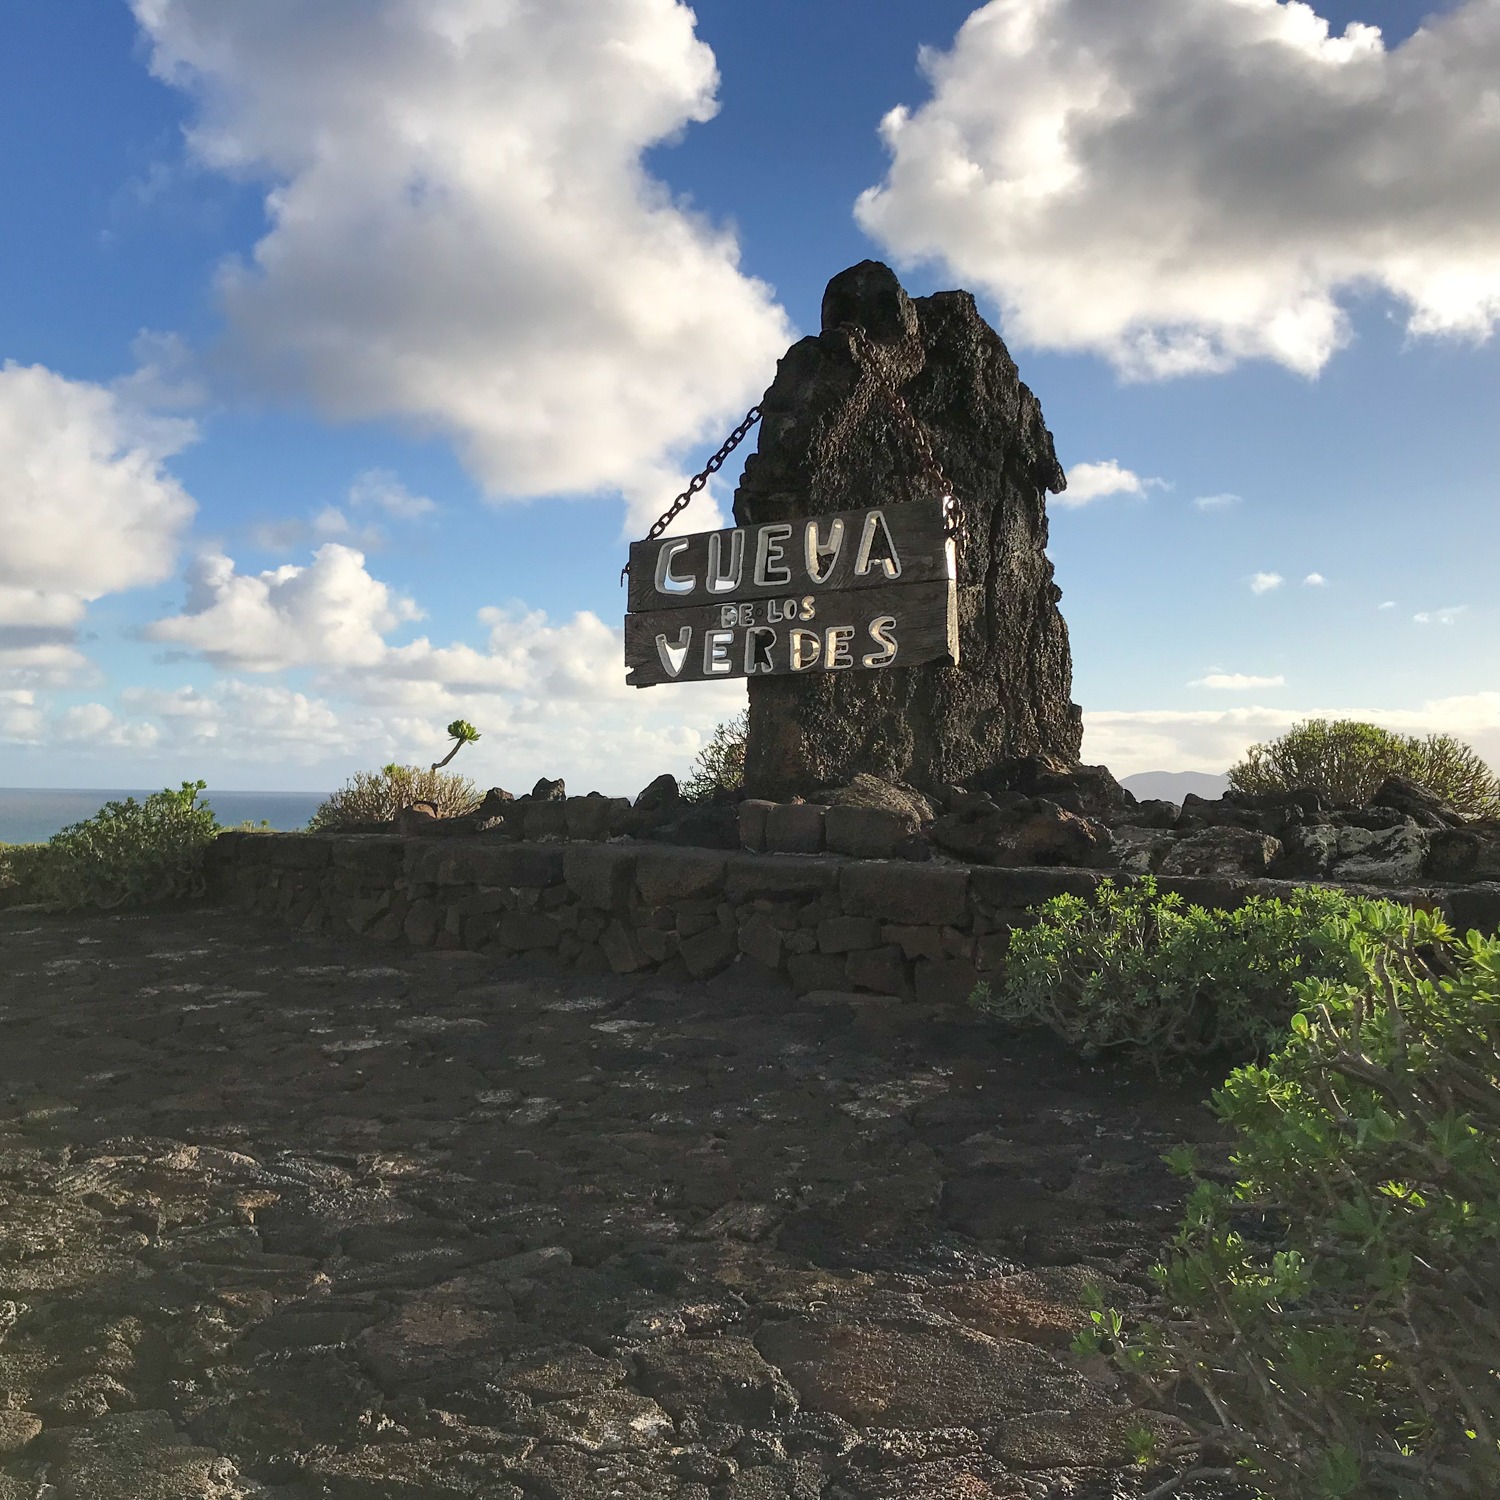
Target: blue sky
346 345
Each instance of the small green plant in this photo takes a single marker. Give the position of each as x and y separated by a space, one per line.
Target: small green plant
1136 968
1337 1308
462 733
128 853
721 762
377 796
1346 761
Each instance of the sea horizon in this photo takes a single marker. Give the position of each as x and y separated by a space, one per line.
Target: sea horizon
31 815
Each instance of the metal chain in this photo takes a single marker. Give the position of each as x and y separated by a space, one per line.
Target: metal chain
698 480
871 364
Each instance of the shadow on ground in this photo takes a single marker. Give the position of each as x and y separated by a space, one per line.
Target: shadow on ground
287 1217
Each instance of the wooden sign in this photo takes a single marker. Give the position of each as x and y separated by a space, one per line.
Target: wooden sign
858 590
823 554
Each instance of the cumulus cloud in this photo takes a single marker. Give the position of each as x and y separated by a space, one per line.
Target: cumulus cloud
1213 739
95 724
1315 580
86 509
20 719
1388 604
1088 482
1181 184
463 232
330 613
533 685
1216 502
1236 681
1264 583
1439 616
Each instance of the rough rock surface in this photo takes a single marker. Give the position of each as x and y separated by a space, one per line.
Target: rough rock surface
287 1218
828 442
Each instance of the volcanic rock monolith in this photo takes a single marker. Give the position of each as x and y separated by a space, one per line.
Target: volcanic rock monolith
831 439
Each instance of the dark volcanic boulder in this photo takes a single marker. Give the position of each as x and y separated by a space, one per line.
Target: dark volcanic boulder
830 441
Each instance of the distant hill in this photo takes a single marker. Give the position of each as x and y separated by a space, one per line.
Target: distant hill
1173 786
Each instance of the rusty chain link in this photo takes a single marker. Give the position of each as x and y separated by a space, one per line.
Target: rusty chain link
698 480
870 364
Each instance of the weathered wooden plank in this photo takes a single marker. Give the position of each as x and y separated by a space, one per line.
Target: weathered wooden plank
852 549
875 629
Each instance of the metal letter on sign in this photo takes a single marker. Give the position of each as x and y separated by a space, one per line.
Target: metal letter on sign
861 590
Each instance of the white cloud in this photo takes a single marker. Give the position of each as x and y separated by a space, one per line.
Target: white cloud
1088 482
20 718
1315 580
537 688
1263 583
1389 604
463 232
329 613
1212 740
380 488
1182 184
86 509
1236 681
1439 616
1216 502
95 725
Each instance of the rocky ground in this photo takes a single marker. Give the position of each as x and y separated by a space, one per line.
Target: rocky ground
291 1217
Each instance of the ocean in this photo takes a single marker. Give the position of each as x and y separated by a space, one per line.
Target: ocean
31 815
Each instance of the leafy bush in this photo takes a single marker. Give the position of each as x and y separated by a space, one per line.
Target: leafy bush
1138 969
1338 1307
377 796
129 852
721 762
1346 761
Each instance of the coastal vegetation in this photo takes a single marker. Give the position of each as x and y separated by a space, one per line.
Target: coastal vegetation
378 796
129 853
1328 1315
1346 761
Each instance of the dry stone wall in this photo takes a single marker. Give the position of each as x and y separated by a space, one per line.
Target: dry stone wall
826 922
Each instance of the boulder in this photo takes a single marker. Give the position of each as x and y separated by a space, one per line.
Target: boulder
1087 790
1308 851
1139 850
1423 807
704 825
866 790
1221 851
660 796
495 802
1390 856
829 443
549 791
1153 812
1034 831
418 818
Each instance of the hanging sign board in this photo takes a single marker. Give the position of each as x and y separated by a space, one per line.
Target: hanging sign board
858 590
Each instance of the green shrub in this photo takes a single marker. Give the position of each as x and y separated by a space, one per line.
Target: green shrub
721 762
377 796
1137 969
129 852
1346 761
1337 1308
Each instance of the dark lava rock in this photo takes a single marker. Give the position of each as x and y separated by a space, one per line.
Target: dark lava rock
1221 851
1416 802
708 825
829 442
550 791
662 795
